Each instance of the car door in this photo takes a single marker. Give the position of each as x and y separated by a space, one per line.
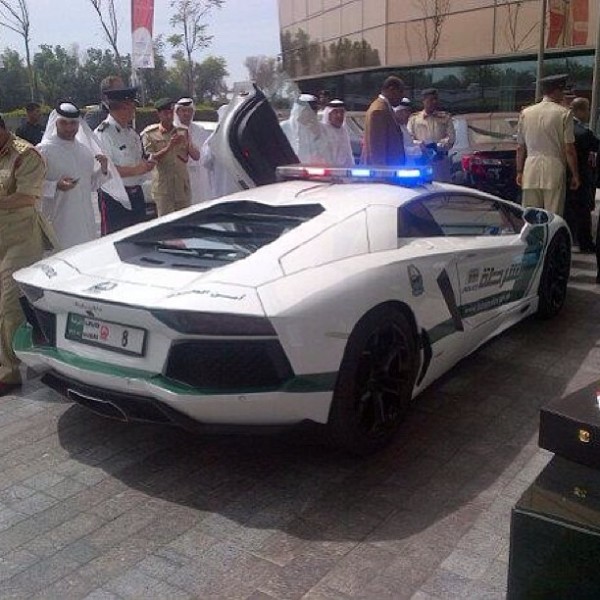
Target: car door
490 253
430 260
249 142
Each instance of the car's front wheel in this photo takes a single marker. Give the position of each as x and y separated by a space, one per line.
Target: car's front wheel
375 382
555 276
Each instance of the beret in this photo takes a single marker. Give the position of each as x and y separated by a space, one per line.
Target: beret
163 103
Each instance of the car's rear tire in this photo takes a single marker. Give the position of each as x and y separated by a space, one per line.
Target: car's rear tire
555 276
375 382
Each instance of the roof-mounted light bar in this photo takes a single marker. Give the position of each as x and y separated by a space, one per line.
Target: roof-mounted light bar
406 176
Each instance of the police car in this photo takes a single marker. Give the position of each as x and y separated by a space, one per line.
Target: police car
333 296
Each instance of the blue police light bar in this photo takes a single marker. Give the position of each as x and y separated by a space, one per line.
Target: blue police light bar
406 176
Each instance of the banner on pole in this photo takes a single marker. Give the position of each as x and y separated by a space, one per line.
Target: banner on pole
142 19
567 23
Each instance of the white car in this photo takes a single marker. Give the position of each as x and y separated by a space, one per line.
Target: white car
335 296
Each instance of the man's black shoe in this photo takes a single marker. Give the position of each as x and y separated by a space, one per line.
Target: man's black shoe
7 388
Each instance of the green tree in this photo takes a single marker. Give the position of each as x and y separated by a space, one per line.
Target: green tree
98 64
14 81
14 15
209 76
58 73
188 18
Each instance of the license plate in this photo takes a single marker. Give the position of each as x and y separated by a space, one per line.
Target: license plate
105 334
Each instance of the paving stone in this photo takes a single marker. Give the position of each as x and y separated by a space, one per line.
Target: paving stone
15 562
447 585
467 564
65 534
70 587
136 584
66 488
116 560
43 481
40 575
355 570
297 577
15 493
101 594
161 567
36 503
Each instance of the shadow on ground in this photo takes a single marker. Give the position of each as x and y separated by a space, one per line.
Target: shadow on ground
469 435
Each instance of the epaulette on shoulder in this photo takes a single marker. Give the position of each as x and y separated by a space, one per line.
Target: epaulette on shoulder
21 146
443 114
103 126
149 128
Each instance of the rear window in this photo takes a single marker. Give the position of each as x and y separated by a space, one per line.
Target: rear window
219 235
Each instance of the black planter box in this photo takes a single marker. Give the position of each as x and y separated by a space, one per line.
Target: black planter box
570 427
555 536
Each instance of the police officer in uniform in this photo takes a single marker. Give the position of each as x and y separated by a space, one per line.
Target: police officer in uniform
95 116
435 130
31 130
122 144
545 143
169 146
24 236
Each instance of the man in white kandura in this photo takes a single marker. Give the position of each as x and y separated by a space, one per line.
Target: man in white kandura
183 117
221 182
305 132
336 134
74 172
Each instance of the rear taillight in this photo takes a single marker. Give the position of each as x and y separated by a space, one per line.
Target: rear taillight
476 164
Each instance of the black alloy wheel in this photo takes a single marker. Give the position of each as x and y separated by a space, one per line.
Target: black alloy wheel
555 276
375 382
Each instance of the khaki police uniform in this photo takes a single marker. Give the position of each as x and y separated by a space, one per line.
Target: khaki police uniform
437 128
170 179
24 236
544 129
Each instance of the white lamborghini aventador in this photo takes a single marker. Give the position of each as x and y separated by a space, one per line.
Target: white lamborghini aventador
333 296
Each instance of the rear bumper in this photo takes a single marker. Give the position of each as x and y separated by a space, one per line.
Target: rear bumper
305 398
142 409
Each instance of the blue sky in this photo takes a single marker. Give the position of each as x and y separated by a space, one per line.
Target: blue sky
241 28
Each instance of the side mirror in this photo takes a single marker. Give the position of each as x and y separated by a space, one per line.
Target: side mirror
535 216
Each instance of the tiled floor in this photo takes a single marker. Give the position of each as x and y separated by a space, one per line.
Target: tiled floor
95 509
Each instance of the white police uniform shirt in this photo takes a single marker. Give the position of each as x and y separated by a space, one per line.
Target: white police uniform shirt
123 146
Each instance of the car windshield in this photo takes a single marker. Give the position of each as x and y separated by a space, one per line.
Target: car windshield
218 235
492 129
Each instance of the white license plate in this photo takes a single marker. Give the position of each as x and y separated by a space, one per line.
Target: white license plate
104 334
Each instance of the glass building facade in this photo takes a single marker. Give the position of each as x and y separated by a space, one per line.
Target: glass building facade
480 54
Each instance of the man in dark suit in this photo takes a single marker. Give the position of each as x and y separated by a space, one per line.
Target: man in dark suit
581 202
383 143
